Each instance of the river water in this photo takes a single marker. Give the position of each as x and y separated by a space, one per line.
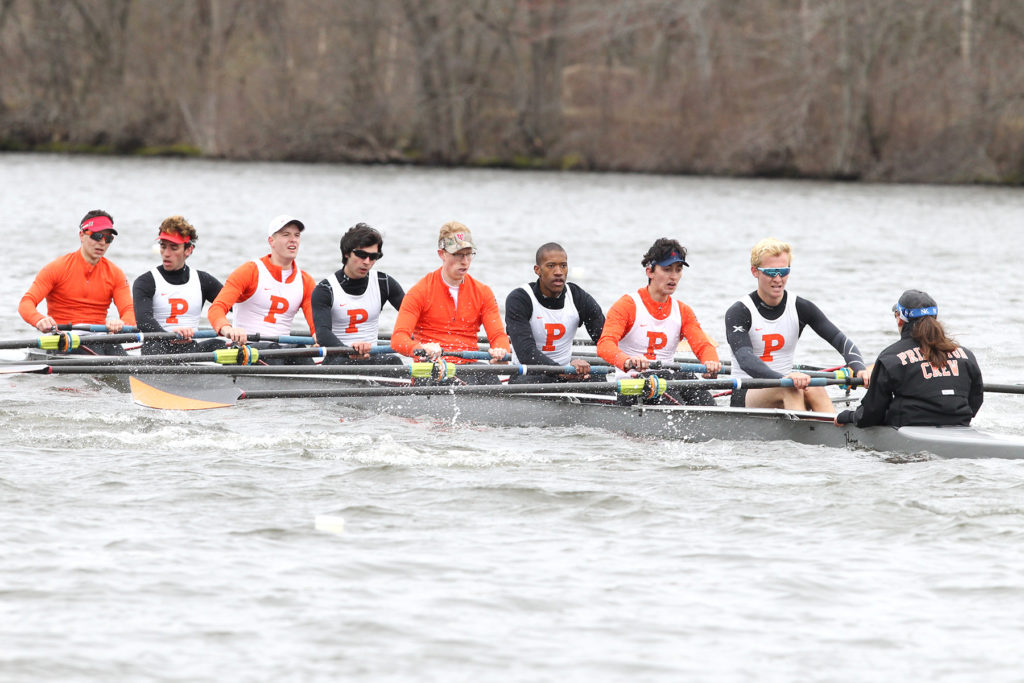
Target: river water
147 545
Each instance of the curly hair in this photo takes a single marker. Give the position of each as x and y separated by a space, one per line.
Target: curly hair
177 225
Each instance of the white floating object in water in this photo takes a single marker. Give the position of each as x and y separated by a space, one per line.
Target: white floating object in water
576 272
156 247
332 524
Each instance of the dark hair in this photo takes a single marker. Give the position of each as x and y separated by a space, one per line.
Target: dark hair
545 248
929 333
661 248
359 235
93 214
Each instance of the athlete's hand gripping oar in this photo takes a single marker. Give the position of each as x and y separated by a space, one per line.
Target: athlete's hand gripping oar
650 387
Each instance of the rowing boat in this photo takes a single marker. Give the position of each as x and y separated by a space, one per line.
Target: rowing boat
693 423
486 405
587 410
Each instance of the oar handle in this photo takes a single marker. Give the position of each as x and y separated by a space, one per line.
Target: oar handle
242 355
466 355
128 329
280 339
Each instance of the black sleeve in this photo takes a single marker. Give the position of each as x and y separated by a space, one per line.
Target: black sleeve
591 315
518 309
875 403
809 314
143 290
390 291
210 285
737 333
322 301
976 396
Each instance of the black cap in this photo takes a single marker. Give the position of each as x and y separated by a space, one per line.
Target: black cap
914 303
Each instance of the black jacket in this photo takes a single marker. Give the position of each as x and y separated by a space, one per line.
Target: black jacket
907 390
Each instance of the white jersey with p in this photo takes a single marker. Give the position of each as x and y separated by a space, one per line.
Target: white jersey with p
553 329
773 341
355 318
272 307
652 338
177 305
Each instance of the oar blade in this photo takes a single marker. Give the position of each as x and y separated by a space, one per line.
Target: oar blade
21 368
154 397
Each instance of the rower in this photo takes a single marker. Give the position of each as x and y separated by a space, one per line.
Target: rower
267 293
347 305
446 308
925 378
649 324
170 297
542 317
763 329
79 287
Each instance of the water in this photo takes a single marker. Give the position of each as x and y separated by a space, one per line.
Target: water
146 545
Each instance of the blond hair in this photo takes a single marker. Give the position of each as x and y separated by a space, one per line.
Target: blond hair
769 246
177 225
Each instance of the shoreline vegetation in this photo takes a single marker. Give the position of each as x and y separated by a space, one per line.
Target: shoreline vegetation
927 91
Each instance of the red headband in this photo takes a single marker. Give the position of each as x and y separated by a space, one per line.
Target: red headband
174 237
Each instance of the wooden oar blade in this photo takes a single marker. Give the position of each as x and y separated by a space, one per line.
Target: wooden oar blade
199 399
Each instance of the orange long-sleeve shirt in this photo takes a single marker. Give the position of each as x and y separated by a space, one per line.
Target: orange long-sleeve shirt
242 284
77 292
622 315
428 312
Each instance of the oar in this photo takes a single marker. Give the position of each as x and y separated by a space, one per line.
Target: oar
65 341
425 370
482 339
467 355
199 334
242 355
1005 388
153 397
701 369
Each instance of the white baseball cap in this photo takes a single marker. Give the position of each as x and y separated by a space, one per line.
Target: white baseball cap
278 222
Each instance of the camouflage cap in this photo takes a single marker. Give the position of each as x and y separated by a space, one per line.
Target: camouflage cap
454 237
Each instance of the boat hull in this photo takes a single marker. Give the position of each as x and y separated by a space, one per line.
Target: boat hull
693 423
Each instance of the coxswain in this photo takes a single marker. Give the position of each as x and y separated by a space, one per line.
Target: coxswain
763 329
925 378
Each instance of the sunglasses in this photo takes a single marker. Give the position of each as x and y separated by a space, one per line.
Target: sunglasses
775 272
99 236
372 255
